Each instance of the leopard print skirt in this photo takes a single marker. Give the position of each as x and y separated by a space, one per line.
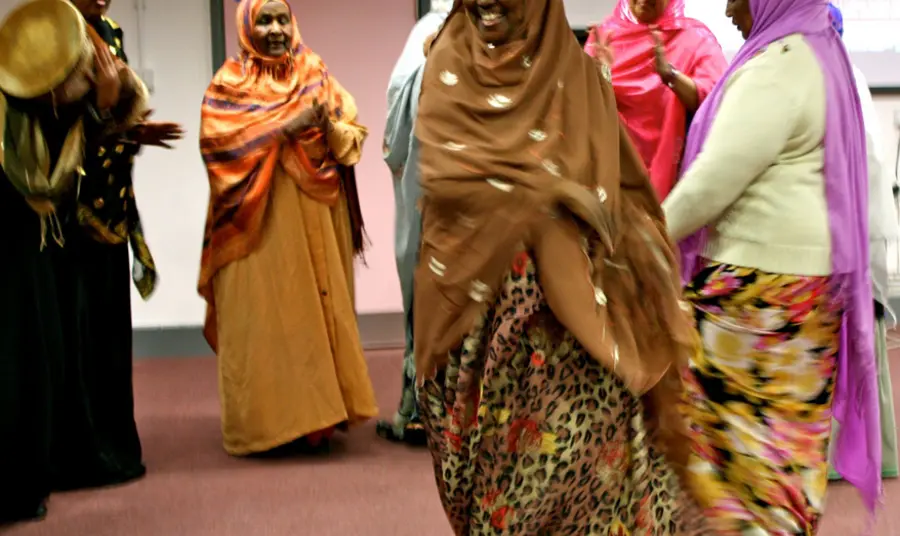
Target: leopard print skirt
532 437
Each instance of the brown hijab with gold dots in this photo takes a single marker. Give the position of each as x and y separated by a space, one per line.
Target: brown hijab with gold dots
515 138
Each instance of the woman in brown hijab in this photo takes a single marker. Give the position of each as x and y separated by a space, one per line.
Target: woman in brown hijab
549 330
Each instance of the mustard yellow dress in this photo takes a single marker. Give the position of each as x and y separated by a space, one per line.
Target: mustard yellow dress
290 360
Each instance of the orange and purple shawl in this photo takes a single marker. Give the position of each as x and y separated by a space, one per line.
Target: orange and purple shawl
246 109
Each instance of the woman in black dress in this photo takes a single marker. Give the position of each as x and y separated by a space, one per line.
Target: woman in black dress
107 212
65 395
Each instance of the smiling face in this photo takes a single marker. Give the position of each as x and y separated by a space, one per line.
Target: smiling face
647 11
92 9
272 30
496 20
739 13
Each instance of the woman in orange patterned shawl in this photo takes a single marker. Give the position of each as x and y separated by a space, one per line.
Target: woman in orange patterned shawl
279 138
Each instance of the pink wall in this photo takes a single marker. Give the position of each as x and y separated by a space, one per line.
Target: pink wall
360 40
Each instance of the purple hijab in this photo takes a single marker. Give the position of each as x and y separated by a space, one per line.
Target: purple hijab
857 456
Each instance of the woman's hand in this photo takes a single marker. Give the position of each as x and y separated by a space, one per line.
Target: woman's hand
107 78
316 116
156 133
681 84
601 50
663 67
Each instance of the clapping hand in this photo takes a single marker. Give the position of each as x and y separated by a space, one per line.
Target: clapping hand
601 49
156 133
107 78
663 67
316 116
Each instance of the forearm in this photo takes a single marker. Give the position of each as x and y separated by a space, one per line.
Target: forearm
691 206
685 89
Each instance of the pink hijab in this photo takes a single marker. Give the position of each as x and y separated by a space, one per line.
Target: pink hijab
652 113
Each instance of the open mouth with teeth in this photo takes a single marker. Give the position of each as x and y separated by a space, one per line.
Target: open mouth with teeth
492 22
490 19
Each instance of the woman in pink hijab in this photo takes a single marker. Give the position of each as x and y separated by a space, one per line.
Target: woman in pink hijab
663 66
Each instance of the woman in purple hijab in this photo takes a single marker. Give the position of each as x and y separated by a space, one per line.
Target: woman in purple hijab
771 213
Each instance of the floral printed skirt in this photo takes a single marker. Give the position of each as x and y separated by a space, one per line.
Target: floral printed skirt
532 437
760 398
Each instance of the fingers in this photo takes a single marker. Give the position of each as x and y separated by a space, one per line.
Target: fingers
601 49
170 135
103 62
158 134
606 38
172 128
159 143
106 71
323 115
107 85
164 126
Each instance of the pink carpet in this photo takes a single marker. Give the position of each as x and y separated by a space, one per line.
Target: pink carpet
365 487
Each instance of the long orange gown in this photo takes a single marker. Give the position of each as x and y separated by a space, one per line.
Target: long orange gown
289 355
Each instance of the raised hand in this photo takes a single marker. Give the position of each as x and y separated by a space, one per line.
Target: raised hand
600 49
315 116
663 67
107 80
156 133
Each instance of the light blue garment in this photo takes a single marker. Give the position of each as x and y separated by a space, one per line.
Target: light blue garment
412 57
401 154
